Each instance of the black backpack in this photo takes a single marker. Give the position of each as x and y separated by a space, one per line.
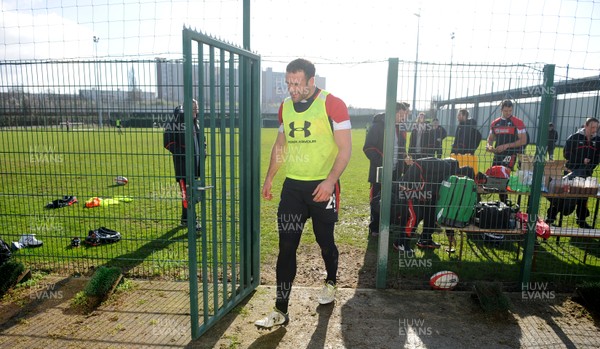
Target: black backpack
492 215
102 236
4 252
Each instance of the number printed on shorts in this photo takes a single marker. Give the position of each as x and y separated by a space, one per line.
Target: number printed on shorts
331 203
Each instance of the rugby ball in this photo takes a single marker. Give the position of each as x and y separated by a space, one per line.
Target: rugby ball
120 180
443 280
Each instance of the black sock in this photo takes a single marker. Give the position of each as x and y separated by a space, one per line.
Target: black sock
282 305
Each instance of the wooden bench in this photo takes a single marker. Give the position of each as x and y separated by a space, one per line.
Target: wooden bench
552 196
473 229
576 233
555 232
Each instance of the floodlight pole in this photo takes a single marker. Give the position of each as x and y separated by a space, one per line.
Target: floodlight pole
451 56
246 24
414 108
96 39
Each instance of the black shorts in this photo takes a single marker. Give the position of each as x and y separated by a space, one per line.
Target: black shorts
297 204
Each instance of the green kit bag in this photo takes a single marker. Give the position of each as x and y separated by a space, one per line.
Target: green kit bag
456 203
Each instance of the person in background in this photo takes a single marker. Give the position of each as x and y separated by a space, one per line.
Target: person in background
373 149
435 139
509 135
313 123
552 140
174 142
467 137
118 125
466 141
582 152
417 147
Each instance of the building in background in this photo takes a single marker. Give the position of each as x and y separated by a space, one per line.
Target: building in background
169 80
169 83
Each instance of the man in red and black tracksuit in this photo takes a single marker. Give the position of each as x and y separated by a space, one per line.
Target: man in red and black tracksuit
582 151
416 196
510 136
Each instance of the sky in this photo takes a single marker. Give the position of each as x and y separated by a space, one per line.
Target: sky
350 42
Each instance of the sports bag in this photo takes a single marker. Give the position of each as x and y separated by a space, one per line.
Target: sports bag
498 172
542 229
492 215
102 236
457 198
4 252
497 178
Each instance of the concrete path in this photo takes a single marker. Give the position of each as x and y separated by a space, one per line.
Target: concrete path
156 315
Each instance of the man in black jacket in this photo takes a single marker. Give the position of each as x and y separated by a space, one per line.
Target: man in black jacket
434 139
467 137
582 151
373 149
174 142
417 146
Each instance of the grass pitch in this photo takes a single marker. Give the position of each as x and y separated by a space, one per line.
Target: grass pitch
40 165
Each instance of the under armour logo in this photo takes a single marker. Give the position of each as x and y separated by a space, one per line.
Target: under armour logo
293 129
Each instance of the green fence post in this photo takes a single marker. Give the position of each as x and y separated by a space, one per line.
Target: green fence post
255 180
538 172
193 261
386 180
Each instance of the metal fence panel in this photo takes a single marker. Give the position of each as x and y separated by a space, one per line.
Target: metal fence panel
62 140
477 256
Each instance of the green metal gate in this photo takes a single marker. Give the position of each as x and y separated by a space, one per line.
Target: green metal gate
224 201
